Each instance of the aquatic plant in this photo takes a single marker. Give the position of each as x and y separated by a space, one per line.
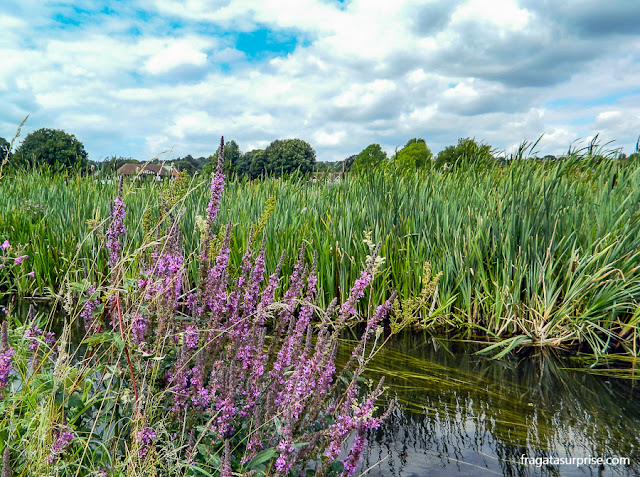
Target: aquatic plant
540 252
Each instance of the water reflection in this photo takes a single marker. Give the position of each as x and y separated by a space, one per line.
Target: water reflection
465 415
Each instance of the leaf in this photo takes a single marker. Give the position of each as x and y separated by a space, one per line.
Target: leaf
261 458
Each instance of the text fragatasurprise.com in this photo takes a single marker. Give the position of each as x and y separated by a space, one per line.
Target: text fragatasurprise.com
576 461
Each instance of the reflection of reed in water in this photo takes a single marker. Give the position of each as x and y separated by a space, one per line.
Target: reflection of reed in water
467 415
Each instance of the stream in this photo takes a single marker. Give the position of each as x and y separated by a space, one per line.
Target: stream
463 414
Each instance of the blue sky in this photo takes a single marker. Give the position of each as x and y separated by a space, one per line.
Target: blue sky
147 78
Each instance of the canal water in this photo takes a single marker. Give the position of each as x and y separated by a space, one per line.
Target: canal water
463 414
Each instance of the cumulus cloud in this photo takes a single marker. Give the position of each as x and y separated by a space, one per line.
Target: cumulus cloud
156 75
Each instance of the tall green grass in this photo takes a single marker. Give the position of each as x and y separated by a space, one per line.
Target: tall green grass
540 253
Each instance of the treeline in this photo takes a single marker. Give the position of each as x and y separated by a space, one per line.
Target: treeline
63 152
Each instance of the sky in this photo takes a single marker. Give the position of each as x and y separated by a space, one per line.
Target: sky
167 78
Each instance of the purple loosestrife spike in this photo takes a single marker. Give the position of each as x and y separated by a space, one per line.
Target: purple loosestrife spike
353 459
116 228
63 439
145 438
6 356
90 324
380 314
217 186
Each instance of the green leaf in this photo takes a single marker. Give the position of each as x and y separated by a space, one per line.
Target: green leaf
261 458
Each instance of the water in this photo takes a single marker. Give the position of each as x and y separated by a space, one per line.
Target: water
461 414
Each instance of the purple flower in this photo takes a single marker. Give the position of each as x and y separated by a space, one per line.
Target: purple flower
18 260
64 438
6 356
116 230
352 461
6 359
32 274
138 328
217 186
191 336
145 438
5 245
90 305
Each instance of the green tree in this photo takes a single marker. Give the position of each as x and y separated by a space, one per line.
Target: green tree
231 156
287 155
257 161
51 147
465 153
4 148
188 164
113 163
371 157
414 155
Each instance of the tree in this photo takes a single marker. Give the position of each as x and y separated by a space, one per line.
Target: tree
53 147
288 155
4 148
414 155
466 152
370 158
231 156
113 163
188 164
257 161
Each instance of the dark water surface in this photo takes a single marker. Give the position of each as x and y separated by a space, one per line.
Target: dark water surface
462 414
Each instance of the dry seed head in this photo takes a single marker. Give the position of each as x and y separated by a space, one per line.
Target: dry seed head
6 461
4 338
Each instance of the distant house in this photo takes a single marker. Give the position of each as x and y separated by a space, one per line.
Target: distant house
152 171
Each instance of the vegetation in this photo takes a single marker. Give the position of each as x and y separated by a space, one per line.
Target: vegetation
466 152
213 378
413 156
51 147
532 253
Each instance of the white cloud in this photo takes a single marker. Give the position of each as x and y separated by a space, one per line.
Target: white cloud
367 72
176 53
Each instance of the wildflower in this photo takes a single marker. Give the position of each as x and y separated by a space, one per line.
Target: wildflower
145 438
5 245
32 274
353 459
6 356
138 328
226 460
116 229
217 186
18 260
191 335
64 438
90 305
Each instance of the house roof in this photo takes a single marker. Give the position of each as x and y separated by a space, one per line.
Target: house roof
157 169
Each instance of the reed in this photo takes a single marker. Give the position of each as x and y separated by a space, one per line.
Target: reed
542 253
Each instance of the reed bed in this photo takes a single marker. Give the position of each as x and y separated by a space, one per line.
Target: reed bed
542 253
